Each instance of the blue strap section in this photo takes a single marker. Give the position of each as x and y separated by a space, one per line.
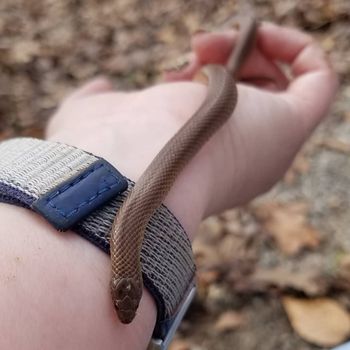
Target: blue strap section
86 201
74 199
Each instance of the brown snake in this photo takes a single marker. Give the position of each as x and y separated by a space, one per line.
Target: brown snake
154 184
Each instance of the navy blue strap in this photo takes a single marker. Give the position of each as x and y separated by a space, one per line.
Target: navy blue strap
69 202
76 190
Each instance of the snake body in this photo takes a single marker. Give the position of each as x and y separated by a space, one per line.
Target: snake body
154 184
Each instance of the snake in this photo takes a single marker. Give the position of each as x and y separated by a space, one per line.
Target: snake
150 190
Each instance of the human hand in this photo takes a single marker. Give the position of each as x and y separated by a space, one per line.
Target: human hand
275 114
246 156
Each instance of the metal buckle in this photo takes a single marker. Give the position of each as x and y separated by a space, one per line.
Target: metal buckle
345 346
163 344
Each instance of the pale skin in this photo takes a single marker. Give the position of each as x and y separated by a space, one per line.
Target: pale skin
54 286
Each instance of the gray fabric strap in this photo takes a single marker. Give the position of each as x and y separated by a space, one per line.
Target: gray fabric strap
30 168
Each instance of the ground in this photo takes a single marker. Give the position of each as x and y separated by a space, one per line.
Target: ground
261 268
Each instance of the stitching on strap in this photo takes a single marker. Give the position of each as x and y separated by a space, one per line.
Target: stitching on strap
75 182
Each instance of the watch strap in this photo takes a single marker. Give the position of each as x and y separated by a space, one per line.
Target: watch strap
76 190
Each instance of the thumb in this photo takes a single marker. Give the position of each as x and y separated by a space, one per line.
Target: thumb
206 48
213 47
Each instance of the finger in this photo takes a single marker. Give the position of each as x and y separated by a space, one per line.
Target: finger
315 84
186 72
216 48
285 44
314 88
92 87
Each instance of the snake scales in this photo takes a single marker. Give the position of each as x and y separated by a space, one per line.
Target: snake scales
154 184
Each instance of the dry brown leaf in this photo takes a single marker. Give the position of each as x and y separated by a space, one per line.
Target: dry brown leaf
168 34
287 224
23 51
328 43
335 145
320 321
205 254
301 165
283 8
345 262
229 321
231 248
6 134
233 227
212 227
320 12
191 21
342 279
230 215
282 278
346 116
180 344
207 277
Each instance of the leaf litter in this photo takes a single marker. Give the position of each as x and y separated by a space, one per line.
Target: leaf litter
254 258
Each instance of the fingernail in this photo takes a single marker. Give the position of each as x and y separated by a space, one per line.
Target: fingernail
176 65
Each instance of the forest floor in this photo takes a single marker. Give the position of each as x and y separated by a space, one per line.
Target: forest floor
272 275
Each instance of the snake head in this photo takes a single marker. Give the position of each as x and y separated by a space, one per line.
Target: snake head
126 296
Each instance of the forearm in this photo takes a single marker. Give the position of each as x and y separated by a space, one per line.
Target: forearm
56 290
60 294
70 277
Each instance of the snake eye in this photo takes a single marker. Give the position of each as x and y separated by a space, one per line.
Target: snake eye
121 292
122 288
127 287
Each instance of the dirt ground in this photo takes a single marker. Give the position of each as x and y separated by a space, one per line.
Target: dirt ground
250 277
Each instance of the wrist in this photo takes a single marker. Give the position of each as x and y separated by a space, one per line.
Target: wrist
74 189
188 198
36 259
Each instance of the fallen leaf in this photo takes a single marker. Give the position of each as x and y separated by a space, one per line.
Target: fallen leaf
212 228
205 255
328 44
180 344
23 51
231 248
284 279
287 224
233 227
168 34
335 145
335 202
191 21
283 8
346 116
342 277
301 165
321 321
230 215
229 321
345 262
217 295
317 13
207 277
6 134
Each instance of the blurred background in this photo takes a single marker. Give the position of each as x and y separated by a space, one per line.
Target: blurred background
272 275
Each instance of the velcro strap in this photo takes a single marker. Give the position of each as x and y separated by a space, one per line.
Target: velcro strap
74 199
76 190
